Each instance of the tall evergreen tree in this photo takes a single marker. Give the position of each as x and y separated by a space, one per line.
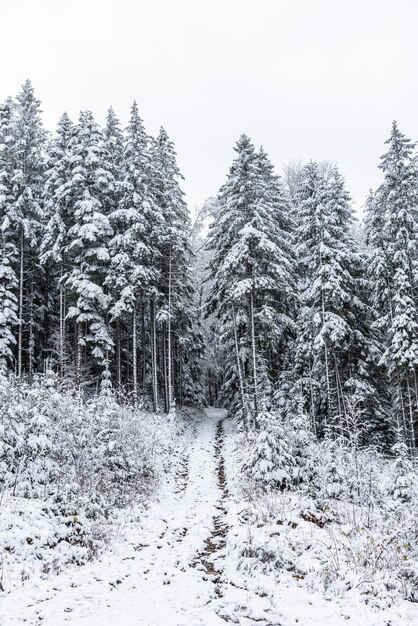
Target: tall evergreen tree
113 147
28 171
58 201
251 270
9 320
181 333
335 348
136 223
89 235
392 234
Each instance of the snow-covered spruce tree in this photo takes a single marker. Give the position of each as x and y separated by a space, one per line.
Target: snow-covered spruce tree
232 320
391 226
8 304
212 370
8 250
299 431
26 216
58 204
378 289
270 463
113 147
177 314
276 280
335 349
133 248
378 261
404 477
88 239
363 389
252 291
402 352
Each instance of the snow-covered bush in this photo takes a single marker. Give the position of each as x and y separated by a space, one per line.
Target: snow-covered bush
348 514
330 465
270 462
404 477
301 439
57 444
69 461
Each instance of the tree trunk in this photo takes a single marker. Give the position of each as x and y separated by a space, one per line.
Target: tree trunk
154 357
31 342
144 346
254 359
118 355
240 376
402 405
411 417
179 397
416 390
169 357
134 360
62 325
327 381
165 368
79 354
340 395
311 393
20 333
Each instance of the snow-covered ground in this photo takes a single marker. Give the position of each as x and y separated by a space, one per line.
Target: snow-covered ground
176 564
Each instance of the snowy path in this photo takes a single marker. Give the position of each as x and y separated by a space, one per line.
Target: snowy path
170 568
162 576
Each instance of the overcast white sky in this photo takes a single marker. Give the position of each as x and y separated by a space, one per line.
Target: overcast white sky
320 79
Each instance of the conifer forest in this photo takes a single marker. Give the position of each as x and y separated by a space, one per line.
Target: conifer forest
287 303
211 413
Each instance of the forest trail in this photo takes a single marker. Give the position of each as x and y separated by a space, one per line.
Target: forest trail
166 573
185 560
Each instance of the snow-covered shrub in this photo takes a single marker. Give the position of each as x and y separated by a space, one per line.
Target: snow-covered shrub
257 554
404 477
25 437
301 440
80 458
330 465
270 463
349 518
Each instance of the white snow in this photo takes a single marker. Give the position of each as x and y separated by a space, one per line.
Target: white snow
156 570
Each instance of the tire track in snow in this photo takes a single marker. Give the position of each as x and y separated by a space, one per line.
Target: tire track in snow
216 542
149 579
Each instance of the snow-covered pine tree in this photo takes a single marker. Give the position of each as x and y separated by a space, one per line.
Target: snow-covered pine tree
335 349
9 320
113 146
251 269
28 172
361 386
133 248
232 323
181 334
392 226
377 258
58 203
212 370
113 156
88 239
275 319
270 463
299 431
311 364
378 289
404 477
402 352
